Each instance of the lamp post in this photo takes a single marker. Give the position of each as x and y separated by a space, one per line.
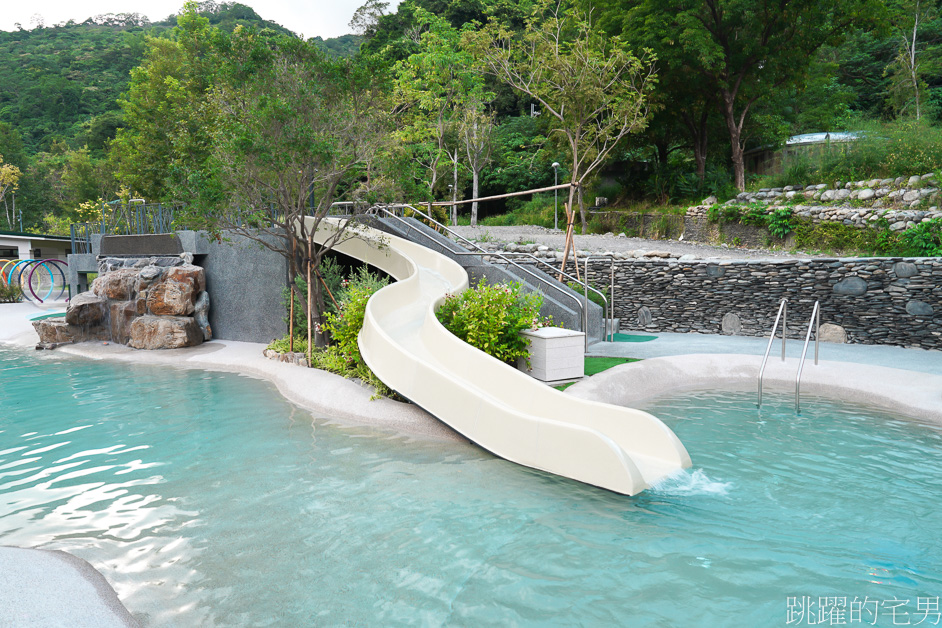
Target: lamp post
556 195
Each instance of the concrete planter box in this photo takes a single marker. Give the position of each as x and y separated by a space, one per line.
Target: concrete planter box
556 355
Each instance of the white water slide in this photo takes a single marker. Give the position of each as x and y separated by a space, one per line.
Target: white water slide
494 405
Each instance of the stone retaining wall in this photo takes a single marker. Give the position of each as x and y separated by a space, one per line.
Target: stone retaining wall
891 301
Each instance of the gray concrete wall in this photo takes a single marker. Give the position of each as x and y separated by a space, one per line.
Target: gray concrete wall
245 283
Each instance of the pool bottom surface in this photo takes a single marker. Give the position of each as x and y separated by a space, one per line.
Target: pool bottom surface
206 499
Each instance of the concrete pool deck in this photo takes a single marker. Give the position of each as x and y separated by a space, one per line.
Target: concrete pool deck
897 379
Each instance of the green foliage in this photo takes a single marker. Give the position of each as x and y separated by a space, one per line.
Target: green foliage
491 317
924 240
884 150
344 326
282 345
834 236
332 273
537 211
10 293
594 297
780 222
342 356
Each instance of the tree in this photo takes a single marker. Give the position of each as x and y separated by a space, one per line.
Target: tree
476 132
436 86
747 50
9 179
917 54
163 148
593 92
295 131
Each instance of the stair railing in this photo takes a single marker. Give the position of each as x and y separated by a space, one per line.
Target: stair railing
783 315
816 323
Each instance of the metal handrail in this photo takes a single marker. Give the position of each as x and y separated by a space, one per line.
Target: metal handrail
608 311
481 251
782 314
816 322
567 276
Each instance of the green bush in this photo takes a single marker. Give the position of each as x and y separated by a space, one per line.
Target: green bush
10 294
595 297
779 222
923 240
342 356
491 317
332 272
884 150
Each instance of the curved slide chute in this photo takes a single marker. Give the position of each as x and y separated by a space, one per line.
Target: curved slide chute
498 407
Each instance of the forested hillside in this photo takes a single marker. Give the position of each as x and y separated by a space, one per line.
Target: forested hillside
59 91
480 98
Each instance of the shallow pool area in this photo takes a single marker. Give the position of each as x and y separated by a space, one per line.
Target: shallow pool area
209 500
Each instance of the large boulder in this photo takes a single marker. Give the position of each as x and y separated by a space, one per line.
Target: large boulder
164 332
170 298
175 293
85 310
118 285
122 313
55 331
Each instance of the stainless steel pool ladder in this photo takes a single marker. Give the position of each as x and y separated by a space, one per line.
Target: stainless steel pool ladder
816 323
783 315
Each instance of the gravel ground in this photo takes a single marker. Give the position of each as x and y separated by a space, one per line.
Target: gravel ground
614 244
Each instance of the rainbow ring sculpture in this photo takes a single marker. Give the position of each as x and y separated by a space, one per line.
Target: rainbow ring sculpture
38 279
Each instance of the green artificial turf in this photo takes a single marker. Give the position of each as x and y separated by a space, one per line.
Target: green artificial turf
597 365
633 338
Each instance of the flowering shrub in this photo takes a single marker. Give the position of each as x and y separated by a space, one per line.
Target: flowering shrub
491 317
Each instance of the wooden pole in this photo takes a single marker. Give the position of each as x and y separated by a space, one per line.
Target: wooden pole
291 322
310 325
508 195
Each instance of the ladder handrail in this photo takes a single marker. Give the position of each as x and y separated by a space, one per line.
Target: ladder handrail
816 322
782 314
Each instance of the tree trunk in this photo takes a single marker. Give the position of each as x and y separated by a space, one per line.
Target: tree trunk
735 139
698 138
475 181
582 211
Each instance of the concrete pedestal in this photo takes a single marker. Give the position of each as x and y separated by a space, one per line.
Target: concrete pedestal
556 355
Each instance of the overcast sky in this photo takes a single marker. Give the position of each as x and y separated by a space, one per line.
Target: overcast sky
327 18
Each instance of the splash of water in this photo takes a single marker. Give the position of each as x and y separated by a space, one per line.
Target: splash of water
688 482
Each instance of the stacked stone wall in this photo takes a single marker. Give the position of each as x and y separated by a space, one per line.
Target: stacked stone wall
892 301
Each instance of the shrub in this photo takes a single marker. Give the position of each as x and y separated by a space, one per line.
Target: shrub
780 222
923 240
539 211
10 293
342 356
491 317
332 272
593 296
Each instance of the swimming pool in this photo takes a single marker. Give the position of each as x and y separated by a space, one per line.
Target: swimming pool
204 499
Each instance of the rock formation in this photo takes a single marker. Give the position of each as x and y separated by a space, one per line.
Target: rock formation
145 303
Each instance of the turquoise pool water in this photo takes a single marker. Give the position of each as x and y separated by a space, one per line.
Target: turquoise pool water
205 499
